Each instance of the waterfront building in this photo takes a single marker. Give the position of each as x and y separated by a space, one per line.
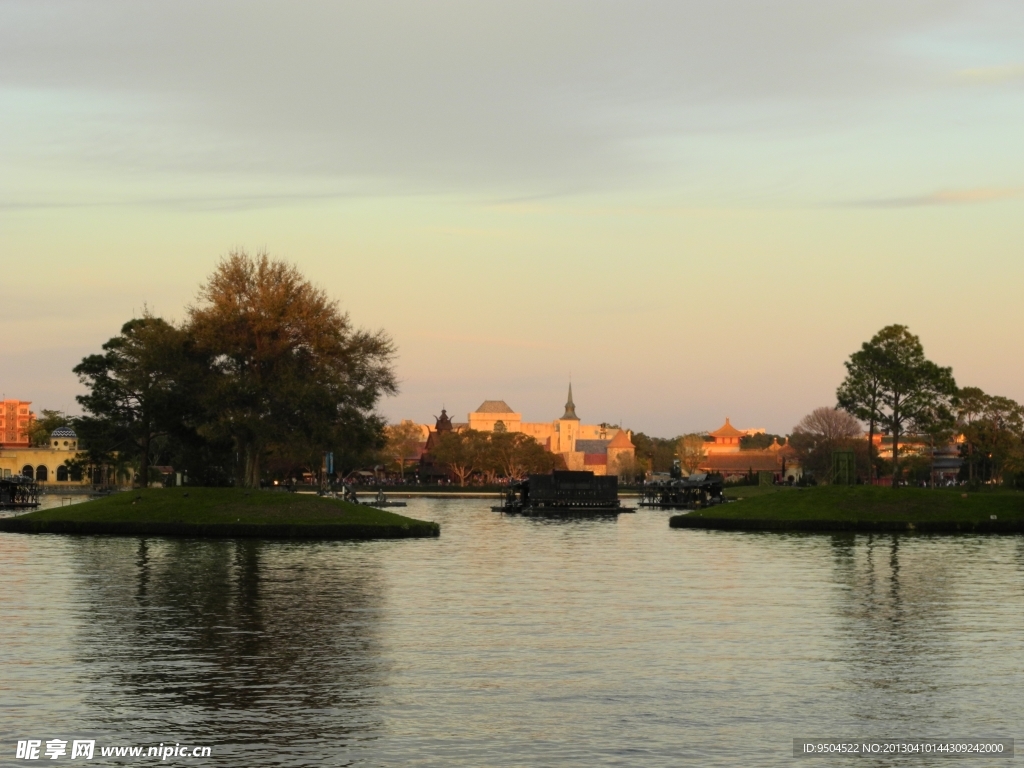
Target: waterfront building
725 456
44 464
780 460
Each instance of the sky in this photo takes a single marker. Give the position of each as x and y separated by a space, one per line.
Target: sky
693 210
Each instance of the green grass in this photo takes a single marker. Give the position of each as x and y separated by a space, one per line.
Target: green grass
866 508
750 491
222 512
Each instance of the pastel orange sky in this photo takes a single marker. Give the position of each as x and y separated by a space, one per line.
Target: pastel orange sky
695 209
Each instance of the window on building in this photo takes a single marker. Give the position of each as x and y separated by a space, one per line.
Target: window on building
27 471
62 474
41 474
76 474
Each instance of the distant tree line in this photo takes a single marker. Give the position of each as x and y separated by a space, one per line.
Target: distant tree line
263 375
993 436
266 372
492 455
896 391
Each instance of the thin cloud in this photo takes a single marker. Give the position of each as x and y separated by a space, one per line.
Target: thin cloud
198 203
989 75
944 197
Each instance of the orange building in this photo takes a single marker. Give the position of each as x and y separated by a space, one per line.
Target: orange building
15 418
725 457
726 439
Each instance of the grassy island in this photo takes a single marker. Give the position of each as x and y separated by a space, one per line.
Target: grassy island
221 513
865 509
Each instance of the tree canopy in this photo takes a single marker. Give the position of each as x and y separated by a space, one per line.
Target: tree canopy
691 452
132 391
913 389
402 441
461 453
41 426
288 367
821 432
993 433
860 394
265 371
512 455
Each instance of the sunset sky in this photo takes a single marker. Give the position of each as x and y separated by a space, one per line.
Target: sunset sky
695 209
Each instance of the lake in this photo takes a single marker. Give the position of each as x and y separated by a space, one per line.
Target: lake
511 642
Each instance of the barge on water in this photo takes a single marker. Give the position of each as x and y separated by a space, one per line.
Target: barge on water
381 501
563 493
693 492
18 492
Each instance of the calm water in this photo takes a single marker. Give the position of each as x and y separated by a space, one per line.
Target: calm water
511 641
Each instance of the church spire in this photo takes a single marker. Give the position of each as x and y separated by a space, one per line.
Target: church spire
570 408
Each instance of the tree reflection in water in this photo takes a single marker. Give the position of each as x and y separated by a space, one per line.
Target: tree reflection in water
245 645
901 603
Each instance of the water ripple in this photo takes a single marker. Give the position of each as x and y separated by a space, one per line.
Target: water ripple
511 642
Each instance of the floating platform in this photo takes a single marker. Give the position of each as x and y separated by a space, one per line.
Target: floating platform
380 501
565 511
563 494
697 491
18 493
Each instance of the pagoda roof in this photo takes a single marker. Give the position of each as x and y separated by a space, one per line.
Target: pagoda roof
621 440
727 430
494 406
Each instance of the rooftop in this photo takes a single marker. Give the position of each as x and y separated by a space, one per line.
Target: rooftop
727 430
494 406
621 440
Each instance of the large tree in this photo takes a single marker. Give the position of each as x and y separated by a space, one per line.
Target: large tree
860 394
970 411
132 392
821 432
992 429
655 454
288 365
911 385
938 423
403 439
461 453
691 452
516 455
41 426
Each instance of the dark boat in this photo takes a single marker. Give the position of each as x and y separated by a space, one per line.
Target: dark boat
677 492
563 493
18 492
381 501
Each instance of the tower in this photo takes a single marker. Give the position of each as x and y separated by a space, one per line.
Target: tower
568 427
570 408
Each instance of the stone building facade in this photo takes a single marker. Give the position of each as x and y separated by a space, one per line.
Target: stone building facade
598 448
